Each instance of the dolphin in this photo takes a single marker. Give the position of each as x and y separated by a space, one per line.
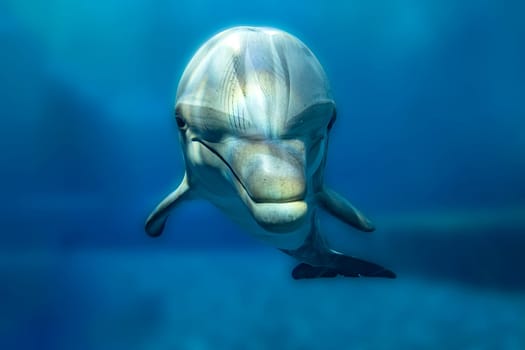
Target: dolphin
254 111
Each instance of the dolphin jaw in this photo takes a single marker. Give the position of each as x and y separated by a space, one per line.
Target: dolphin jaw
274 215
280 217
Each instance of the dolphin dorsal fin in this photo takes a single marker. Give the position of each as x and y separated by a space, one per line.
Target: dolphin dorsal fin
342 209
157 219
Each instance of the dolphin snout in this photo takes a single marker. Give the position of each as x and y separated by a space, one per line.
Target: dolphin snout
274 180
272 172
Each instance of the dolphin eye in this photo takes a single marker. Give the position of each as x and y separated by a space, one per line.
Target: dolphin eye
181 123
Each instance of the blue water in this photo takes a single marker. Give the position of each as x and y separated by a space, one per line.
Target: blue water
429 142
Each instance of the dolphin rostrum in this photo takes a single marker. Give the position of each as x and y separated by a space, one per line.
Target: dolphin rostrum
254 111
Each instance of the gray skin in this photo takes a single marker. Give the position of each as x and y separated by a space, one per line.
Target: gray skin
254 112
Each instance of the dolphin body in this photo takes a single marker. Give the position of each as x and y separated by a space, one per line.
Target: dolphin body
254 112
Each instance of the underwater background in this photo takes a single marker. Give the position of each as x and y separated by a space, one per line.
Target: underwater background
429 143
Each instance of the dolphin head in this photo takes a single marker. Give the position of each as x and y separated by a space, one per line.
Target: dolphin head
253 110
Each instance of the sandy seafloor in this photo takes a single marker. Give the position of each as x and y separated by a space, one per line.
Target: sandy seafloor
223 299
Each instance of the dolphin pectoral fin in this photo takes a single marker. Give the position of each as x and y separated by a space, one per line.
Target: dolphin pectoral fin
342 209
157 219
342 265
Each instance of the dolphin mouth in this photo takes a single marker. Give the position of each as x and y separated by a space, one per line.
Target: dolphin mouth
297 196
233 172
277 215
